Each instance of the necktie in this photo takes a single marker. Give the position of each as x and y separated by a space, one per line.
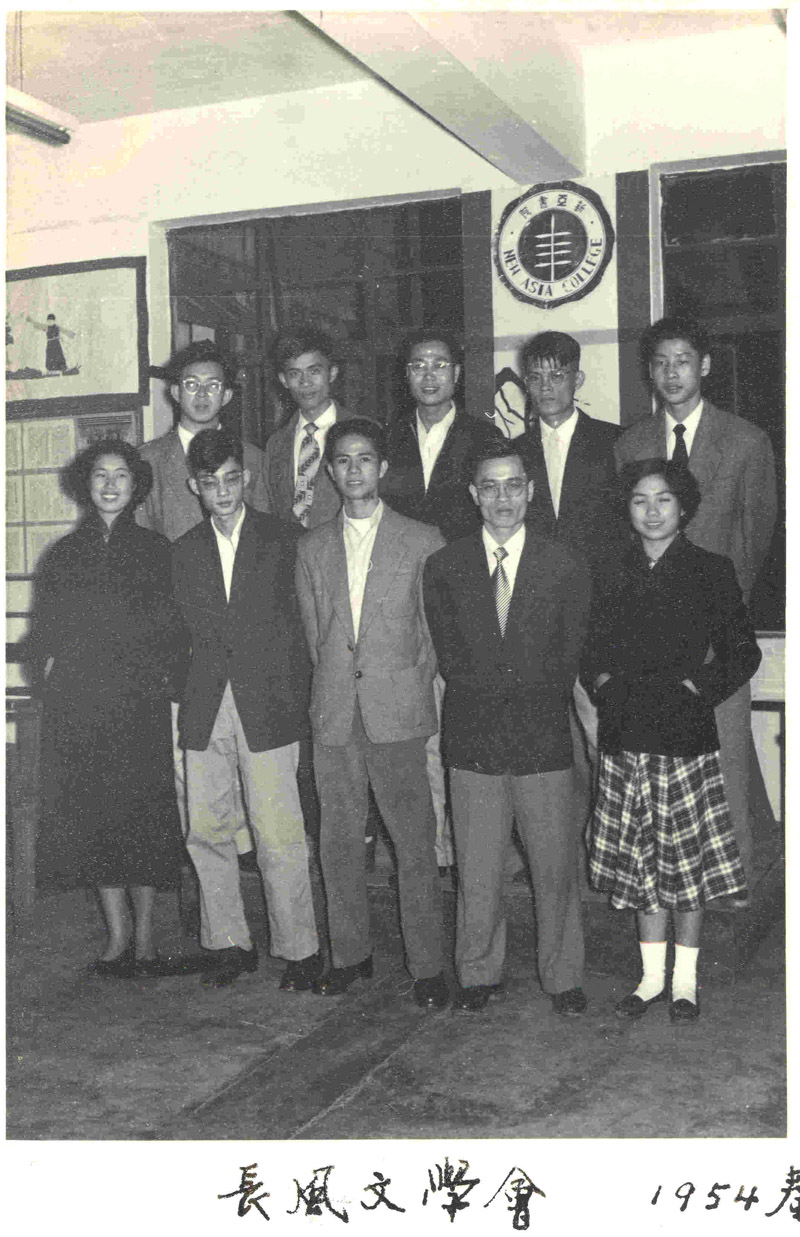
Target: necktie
502 588
680 455
307 466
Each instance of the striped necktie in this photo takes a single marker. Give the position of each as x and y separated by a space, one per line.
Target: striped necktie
680 455
307 466
502 588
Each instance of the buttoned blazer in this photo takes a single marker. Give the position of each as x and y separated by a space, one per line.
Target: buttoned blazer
587 519
171 508
254 641
447 502
389 670
733 462
279 477
506 706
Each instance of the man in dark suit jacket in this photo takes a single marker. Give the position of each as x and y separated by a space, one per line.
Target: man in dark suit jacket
359 581
733 463
243 711
507 610
298 487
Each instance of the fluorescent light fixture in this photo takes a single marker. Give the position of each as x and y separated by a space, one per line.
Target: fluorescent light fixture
28 115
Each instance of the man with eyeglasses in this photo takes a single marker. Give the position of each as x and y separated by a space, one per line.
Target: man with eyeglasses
200 379
427 479
242 714
507 610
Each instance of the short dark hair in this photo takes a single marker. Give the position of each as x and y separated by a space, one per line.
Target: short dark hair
499 448
300 339
677 326
363 426
210 449
192 354
680 481
431 334
553 346
76 477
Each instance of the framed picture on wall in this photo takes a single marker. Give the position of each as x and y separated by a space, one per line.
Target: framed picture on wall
76 338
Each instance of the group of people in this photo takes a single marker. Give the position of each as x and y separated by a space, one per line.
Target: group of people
432 597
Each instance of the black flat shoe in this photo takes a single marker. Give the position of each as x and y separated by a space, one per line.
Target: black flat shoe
475 998
121 967
432 993
570 1004
633 1006
341 978
226 965
301 975
684 1011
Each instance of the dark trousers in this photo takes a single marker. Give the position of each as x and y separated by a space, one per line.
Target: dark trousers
397 773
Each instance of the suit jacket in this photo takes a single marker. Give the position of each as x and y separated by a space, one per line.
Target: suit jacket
588 520
254 641
447 502
653 627
734 465
171 508
506 706
389 671
280 479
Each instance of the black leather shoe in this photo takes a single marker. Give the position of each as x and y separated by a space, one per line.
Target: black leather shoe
432 993
341 978
301 974
225 965
633 1006
570 1004
684 1011
121 967
472 1000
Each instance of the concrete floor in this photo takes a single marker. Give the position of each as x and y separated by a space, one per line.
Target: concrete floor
166 1059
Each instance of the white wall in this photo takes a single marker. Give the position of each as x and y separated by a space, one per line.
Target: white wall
653 102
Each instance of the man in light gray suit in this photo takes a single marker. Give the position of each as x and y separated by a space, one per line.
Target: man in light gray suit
359 581
733 463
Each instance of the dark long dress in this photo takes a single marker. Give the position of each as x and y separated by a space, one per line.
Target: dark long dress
54 358
105 612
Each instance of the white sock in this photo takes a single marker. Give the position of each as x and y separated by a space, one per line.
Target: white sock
684 974
654 963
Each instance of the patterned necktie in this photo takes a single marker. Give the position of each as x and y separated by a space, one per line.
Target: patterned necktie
502 588
307 466
680 455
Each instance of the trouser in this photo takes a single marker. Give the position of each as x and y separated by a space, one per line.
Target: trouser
397 773
436 781
543 806
270 788
244 843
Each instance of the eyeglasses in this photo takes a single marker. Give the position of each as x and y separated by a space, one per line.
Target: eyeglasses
191 386
210 484
491 489
426 367
536 377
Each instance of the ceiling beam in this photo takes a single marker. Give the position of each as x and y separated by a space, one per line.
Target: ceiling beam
446 86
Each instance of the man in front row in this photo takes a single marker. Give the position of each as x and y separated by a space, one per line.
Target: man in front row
244 708
507 609
359 581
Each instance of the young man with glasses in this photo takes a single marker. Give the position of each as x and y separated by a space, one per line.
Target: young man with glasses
243 712
507 610
200 380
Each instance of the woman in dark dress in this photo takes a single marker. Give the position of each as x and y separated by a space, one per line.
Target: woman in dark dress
669 640
106 623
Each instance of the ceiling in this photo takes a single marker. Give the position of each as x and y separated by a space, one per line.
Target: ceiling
105 65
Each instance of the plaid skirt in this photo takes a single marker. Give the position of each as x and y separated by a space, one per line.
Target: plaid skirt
661 834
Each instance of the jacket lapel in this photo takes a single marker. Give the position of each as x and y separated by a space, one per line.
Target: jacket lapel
284 466
388 555
215 580
247 553
176 470
335 568
707 452
524 588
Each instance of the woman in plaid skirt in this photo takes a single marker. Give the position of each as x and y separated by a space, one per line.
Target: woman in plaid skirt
669 640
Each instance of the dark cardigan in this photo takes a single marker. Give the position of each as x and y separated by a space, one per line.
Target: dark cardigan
653 627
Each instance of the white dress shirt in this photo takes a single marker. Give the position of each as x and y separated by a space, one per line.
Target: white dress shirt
227 547
186 437
323 423
513 549
691 423
359 538
555 444
431 441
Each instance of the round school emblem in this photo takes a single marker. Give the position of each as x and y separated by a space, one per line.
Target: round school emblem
553 244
